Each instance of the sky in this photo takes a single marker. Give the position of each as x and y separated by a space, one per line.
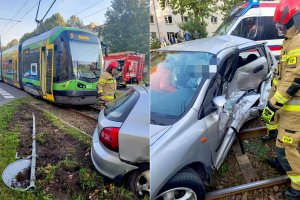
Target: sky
87 10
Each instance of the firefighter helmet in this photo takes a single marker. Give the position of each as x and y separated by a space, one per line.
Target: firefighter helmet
286 14
112 65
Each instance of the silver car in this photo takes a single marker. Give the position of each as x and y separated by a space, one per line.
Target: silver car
120 146
202 92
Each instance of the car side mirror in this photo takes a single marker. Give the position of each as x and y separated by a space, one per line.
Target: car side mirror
219 102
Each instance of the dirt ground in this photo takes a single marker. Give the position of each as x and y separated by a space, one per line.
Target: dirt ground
85 124
64 167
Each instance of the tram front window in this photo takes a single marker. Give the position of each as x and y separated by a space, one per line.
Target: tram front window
85 58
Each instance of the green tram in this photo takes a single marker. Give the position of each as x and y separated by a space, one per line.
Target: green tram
62 65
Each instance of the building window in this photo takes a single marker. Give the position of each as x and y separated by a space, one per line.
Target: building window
214 19
151 19
185 19
153 35
168 19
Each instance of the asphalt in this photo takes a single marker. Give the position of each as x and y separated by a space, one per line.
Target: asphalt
9 93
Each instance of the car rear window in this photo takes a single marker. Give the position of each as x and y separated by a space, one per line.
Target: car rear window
121 108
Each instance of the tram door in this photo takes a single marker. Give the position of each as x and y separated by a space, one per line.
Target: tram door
47 64
15 71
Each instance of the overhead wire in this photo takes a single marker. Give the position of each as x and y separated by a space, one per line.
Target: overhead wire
89 7
9 19
23 5
95 13
27 12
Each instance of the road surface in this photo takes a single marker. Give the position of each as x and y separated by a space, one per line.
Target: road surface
9 93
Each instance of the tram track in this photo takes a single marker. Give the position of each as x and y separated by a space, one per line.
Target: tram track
219 194
253 132
82 114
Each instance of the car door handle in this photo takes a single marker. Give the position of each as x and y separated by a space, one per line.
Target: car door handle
257 69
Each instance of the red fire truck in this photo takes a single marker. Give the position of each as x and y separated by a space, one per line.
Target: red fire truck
131 68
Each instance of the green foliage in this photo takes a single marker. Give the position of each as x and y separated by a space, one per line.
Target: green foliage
155 43
194 24
74 133
75 22
88 179
228 6
198 9
50 172
10 44
41 138
50 23
257 148
68 164
9 139
223 168
127 27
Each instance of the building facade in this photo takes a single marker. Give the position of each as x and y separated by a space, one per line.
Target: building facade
164 23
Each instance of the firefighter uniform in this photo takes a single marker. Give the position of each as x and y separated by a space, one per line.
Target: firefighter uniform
272 126
107 87
287 99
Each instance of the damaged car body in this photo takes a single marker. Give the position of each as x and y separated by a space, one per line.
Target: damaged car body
120 147
215 85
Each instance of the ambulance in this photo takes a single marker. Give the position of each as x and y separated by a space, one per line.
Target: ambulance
254 20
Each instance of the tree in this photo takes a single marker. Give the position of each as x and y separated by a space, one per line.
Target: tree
155 43
126 27
198 9
10 44
228 6
75 22
194 25
50 23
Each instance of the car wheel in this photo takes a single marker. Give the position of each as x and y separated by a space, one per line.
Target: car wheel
185 185
139 181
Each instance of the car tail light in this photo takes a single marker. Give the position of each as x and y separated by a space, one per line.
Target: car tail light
109 138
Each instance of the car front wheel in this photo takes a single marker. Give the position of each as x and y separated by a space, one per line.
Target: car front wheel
185 185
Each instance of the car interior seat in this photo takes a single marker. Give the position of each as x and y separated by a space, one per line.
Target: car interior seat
251 58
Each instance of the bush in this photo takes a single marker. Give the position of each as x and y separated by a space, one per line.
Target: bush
193 25
155 43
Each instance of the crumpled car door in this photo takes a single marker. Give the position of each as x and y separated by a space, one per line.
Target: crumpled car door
242 94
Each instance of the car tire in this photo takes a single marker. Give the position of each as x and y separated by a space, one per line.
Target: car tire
139 181
186 182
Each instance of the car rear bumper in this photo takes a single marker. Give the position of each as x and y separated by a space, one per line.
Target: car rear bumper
106 161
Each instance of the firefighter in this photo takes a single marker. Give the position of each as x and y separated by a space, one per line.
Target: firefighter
107 83
286 98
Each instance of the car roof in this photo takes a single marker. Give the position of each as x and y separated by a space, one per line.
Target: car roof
211 45
141 89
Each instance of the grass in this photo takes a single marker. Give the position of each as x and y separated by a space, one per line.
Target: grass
74 133
9 140
68 164
223 168
41 138
258 149
89 179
